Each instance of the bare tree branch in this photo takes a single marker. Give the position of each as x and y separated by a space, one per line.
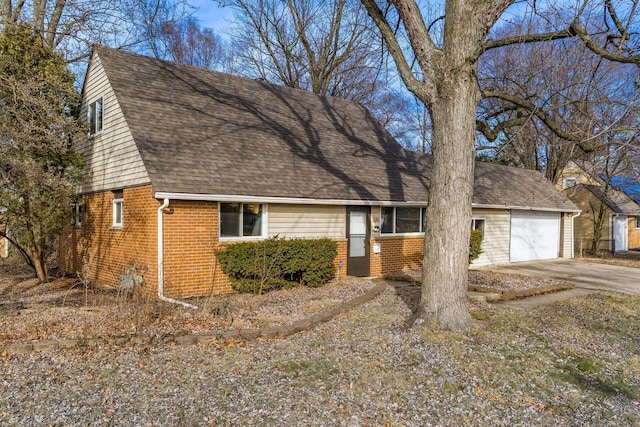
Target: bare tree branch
520 39
423 90
588 41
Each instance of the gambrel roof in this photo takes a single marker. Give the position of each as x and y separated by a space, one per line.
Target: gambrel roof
209 133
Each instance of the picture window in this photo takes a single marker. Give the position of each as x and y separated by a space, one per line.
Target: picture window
241 220
401 220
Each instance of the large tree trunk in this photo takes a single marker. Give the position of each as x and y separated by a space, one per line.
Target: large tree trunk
448 217
39 264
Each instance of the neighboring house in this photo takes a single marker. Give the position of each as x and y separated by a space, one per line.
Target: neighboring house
183 160
612 205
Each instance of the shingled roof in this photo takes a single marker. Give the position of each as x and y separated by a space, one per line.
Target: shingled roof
204 132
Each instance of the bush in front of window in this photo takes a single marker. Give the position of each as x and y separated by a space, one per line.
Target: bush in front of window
259 266
475 245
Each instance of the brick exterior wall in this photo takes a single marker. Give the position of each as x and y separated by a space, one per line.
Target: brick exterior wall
396 254
342 256
109 251
190 244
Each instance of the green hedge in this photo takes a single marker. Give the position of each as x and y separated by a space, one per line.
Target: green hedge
256 267
475 245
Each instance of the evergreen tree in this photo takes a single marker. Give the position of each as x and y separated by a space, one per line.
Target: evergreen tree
39 167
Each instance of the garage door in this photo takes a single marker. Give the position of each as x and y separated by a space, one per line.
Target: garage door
534 235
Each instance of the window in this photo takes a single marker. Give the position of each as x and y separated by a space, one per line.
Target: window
95 117
569 182
118 209
397 220
78 213
638 222
478 224
241 220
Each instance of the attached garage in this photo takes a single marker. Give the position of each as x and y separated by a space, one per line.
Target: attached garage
534 235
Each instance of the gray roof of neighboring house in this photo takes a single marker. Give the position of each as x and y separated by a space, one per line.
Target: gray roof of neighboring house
616 200
204 132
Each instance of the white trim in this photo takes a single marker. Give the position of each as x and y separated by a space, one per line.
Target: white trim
114 203
282 200
343 202
523 208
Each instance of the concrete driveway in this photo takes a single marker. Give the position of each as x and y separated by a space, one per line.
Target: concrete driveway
588 278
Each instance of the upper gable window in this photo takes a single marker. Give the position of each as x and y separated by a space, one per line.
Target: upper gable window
569 182
95 116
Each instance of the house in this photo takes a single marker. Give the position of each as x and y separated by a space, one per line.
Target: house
183 160
611 206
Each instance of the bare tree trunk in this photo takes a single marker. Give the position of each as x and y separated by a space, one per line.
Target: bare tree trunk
448 217
40 266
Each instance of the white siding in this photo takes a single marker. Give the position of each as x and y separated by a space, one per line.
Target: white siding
567 249
307 221
495 244
113 160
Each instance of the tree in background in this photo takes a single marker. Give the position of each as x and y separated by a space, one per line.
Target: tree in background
441 70
38 165
553 101
325 47
184 41
72 26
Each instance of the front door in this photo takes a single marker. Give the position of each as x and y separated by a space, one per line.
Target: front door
358 240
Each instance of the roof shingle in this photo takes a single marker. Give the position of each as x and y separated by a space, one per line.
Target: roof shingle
204 132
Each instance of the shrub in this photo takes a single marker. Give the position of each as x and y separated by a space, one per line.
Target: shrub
475 245
256 267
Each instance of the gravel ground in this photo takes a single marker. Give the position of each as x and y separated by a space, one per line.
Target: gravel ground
64 309
361 369
489 279
574 363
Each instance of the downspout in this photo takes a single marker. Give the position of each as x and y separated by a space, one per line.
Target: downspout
573 234
162 207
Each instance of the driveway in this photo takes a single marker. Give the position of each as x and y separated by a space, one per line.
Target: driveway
588 278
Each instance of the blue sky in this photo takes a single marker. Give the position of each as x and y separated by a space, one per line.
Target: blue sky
213 16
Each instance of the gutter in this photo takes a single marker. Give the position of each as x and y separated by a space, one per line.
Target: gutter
162 207
311 201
